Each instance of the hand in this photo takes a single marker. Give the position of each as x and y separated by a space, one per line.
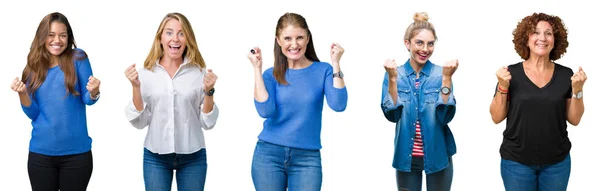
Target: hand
18 86
504 77
209 80
449 68
336 53
391 68
132 75
93 86
577 80
255 57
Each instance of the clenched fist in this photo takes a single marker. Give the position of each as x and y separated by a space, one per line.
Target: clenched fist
577 80
18 86
449 68
255 57
504 77
93 86
132 75
209 80
336 53
391 67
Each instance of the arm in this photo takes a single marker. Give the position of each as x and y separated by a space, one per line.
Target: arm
575 106
390 105
335 91
29 106
84 71
209 119
264 94
499 105
446 104
575 109
137 112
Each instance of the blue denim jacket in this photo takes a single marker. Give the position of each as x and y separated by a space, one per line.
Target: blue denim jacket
426 105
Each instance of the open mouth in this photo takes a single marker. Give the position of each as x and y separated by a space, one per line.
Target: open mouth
294 51
423 56
56 46
174 47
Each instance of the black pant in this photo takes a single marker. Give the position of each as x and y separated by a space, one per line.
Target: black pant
67 173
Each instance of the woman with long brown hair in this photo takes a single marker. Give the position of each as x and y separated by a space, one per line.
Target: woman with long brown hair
290 96
55 87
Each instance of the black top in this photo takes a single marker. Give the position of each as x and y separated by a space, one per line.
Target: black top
536 124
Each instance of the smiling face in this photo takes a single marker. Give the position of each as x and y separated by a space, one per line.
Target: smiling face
173 40
421 46
56 41
293 41
541 41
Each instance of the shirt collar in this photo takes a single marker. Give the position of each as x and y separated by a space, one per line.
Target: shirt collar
426 69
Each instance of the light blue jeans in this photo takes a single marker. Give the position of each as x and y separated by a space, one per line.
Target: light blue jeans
520 177
190 171
275 168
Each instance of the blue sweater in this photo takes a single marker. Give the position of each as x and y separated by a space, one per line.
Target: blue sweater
58 118
293 112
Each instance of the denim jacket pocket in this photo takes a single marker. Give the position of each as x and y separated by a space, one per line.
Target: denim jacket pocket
430 95
404 94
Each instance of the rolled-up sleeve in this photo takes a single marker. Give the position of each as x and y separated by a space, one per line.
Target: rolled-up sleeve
138 119
445 111
209 120
391 111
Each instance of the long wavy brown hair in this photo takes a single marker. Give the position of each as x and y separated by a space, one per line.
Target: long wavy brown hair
281 63
38 59
527 26
191 51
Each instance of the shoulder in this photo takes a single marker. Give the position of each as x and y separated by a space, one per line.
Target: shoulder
79 54
268 72
562 68
323 65
515 65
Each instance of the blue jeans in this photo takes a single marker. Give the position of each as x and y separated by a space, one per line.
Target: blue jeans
275 168
190 169
517 176
411 181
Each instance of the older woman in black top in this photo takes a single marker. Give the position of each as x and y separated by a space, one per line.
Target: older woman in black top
537 97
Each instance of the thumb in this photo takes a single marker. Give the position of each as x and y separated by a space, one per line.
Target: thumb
209 70
580 69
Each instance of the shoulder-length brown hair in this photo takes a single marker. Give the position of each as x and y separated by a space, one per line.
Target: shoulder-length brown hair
191 51
38 59
281 63
527 26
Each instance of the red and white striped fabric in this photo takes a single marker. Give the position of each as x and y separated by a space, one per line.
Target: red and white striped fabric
418 140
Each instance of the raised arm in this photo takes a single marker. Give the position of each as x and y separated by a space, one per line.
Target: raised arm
335 88
263 84
390 103
446 105
90 91
137 111
27 104
575 107
499 105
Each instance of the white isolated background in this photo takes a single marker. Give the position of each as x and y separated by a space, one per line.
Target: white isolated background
357 143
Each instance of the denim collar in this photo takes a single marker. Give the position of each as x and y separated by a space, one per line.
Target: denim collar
426 69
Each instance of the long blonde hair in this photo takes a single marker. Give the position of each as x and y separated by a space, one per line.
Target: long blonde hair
191 51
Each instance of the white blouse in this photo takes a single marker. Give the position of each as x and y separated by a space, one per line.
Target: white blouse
172 109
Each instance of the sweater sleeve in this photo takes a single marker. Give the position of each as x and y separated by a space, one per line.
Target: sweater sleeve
84 71
337 98
267 108
32 111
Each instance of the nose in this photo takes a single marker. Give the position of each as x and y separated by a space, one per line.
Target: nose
56 38
175 38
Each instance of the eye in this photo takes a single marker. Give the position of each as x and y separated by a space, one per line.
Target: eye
181 34
169 33
419 43
536 32
287 38
300 37
549 33
430 44
63 36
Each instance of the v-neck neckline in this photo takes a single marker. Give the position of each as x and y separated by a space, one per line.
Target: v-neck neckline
535 85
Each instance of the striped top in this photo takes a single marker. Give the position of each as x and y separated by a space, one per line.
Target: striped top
418 143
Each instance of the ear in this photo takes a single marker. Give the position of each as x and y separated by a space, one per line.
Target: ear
278 42
407 44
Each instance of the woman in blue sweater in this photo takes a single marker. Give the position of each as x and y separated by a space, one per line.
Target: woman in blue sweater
418 97
290 96
56 86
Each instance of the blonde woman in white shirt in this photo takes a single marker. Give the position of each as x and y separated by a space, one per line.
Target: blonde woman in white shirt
173 96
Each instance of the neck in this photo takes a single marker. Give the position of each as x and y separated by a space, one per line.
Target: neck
53 61
539 63
416 67
166 61
298 64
